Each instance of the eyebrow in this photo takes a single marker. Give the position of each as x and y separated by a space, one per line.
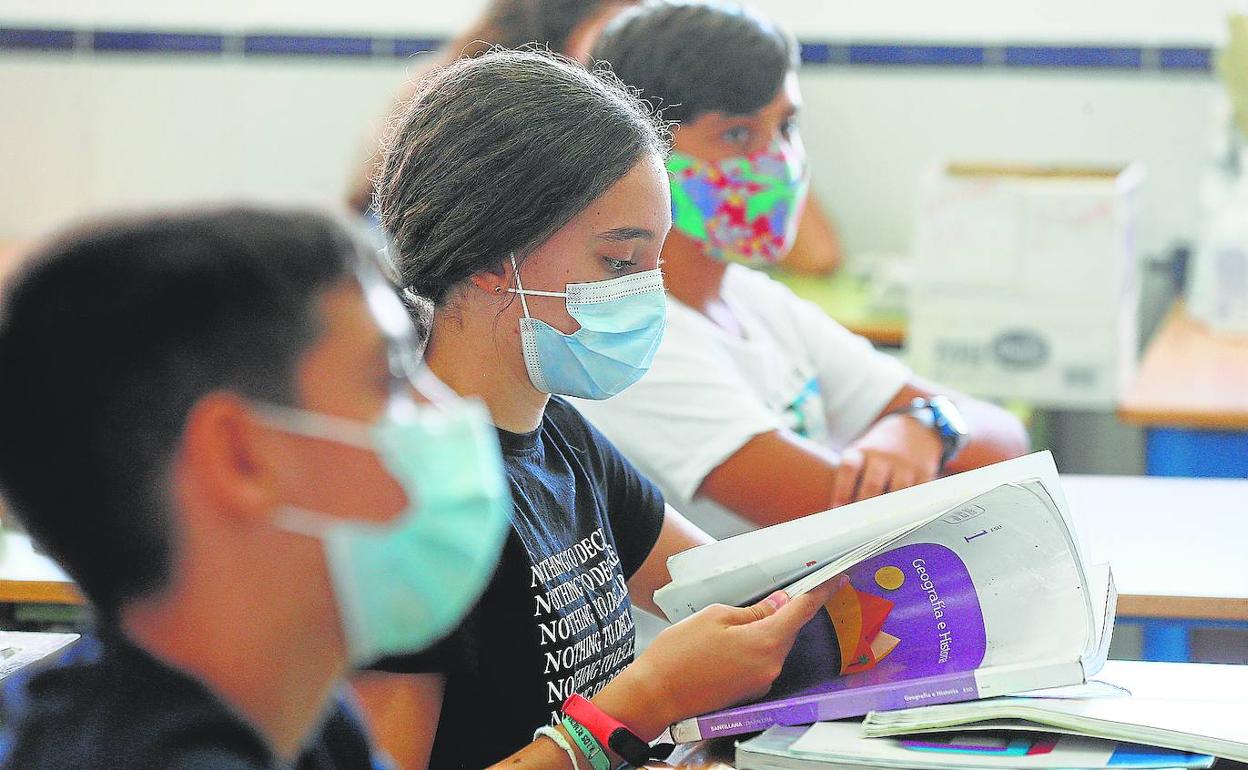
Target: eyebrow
626 234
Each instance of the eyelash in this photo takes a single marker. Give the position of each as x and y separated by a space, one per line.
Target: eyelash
618 265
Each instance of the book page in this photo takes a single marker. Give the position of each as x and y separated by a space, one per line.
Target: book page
993 582
737 569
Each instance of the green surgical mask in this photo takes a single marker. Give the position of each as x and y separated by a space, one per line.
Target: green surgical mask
404 585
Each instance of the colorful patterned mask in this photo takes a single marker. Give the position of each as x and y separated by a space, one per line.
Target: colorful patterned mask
742 209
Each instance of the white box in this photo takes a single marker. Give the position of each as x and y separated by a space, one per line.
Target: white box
1026 282
1063 356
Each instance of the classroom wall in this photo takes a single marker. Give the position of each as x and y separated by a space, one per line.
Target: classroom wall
97 130
1190 21
86 131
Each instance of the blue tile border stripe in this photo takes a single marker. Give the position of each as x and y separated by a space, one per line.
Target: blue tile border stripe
307 45
158 42
917 55
815 53
20 39
405 47
1199 59
1081 57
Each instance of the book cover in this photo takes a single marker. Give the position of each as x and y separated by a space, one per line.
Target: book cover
904 628
989 597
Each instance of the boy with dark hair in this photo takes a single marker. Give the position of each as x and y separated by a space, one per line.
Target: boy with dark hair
208 422
759 408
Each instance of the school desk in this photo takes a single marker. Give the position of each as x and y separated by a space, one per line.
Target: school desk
847 299
1191 394
1176 548
29 577
19 649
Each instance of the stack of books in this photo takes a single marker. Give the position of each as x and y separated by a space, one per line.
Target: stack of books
1135 715
965 626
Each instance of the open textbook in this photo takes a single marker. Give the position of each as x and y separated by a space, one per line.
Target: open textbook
961 588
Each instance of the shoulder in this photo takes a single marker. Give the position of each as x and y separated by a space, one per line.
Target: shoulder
755 285
100 702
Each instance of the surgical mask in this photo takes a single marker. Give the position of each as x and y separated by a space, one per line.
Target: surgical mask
742 209
622 321
403 585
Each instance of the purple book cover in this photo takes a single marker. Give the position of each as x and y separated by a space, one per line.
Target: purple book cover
904 628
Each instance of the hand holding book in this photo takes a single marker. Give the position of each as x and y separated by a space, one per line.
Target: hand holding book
716 658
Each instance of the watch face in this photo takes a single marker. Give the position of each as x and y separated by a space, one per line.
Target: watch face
948 416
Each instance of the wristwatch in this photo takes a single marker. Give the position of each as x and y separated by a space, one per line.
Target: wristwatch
941 415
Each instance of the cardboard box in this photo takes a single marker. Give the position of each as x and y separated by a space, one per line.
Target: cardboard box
1063 356
1026 282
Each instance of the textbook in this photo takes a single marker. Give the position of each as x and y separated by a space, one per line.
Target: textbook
838 746
962 588
1185 707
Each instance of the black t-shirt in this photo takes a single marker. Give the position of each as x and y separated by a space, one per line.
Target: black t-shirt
556 618
108 704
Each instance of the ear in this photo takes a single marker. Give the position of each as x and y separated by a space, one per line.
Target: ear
227 457
495 280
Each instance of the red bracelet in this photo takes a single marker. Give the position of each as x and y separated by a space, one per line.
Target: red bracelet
612 733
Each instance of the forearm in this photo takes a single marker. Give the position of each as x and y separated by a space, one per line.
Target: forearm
543 754
628 698
995 435
775 477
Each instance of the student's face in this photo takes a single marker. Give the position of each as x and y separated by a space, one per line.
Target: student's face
345 374
717 136
620 233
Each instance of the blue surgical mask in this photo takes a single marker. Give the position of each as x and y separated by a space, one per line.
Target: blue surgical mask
403 585
621 321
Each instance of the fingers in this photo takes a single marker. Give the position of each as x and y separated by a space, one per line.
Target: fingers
876 471
757 611
845 477
902 477
787 620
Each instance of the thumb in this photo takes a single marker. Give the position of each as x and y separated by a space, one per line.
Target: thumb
759 610
789 618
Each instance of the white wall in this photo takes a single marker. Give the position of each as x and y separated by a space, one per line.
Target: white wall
1148 21
89 132
85 132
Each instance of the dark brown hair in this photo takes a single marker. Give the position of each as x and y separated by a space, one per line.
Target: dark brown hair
498 153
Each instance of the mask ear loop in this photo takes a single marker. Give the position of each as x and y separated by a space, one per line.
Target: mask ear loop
522 291
515 271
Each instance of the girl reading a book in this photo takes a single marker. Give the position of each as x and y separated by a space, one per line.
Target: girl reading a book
528 203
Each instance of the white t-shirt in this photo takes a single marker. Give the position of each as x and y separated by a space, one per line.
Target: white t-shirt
709 392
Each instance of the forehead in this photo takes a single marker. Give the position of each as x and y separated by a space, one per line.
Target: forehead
365 322
786 101
640 198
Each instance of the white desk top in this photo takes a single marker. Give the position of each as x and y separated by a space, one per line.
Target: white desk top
1176 546
27 576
